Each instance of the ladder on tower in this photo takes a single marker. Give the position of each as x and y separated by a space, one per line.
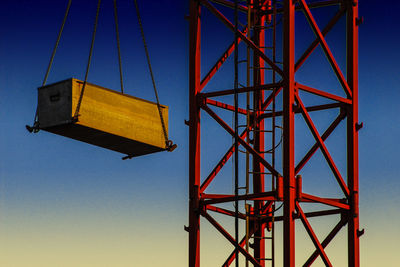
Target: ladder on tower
270 26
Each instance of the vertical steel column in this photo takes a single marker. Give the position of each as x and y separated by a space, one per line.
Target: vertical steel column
288 134
352 135
259 146
194 135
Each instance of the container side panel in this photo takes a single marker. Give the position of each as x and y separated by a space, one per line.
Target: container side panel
120 115
54 104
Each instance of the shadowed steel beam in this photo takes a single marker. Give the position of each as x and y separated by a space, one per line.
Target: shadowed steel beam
241 140
242 242
315 43
289 192
322 93
269 86
225 106
352 134
297 110
327 201
230 238
315 147
219 62
242 36
324 150
220 164
325 243
313 236
194 134
326 49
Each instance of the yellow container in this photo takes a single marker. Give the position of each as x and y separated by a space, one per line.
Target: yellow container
107 118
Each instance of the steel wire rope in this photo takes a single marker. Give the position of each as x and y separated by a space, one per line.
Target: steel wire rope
118 45
78 106
169 144
35 127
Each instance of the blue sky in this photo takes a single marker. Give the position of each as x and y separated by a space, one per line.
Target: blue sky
65 201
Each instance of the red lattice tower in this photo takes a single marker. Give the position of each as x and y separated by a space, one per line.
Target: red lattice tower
286 184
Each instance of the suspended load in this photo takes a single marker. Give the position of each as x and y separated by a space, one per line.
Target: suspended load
106 118
100 116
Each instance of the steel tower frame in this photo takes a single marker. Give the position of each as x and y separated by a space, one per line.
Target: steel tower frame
288 189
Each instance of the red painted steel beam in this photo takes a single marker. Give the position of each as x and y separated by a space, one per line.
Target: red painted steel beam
214 199
322 93
219 62
224 211
323 213
313 236
230 4
214 196
242 242
325 242
242 90
243 36
289 191
271 98
308 215
315 147
230 238
324 150
241 140
326 48
267 206
310 5
220 164
226 106
194 134
258 39
315 43
297 110
327 201
352 134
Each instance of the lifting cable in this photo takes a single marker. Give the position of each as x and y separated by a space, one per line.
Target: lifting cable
170 146
118 45
78 106
35 127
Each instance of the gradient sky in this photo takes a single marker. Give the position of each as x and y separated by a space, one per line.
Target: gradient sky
65 203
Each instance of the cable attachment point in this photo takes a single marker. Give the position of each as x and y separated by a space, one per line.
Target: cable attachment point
359 126
75 118
33 129
127 157
360 232
170 146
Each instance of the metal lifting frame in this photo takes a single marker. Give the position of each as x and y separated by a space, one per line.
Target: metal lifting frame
288 189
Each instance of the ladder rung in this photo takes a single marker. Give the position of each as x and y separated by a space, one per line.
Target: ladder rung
260 172
264 131
263 68
262 27
264 259
259 237
266 152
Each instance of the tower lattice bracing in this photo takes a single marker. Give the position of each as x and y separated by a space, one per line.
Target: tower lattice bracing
277 186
